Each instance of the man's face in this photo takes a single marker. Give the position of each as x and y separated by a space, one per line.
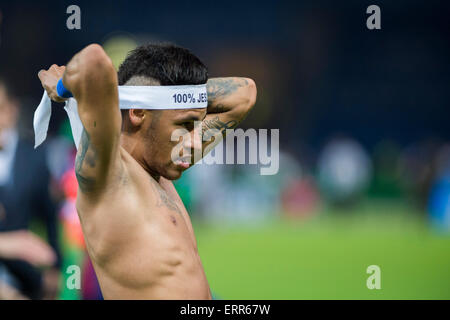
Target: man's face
159 147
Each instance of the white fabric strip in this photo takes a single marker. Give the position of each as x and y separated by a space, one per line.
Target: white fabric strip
130 97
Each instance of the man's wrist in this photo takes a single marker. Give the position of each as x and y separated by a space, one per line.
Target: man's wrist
62 91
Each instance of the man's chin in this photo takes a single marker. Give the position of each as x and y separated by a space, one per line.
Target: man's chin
172 174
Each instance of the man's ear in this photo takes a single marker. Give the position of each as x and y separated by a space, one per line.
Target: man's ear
137 116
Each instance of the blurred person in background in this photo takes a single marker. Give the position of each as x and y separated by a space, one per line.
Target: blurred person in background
24 246
344 171
24 195
438 204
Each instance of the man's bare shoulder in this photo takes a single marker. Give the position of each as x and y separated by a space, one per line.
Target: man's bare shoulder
129 187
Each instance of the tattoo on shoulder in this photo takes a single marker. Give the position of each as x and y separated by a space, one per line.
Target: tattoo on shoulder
222 87
86 155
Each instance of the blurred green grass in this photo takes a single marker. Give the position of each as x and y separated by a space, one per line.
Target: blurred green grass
327 256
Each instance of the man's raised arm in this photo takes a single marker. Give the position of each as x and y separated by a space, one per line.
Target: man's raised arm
92 79
229 102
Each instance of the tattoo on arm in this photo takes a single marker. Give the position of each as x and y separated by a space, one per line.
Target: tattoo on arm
222 99
86 154
223 87
209 126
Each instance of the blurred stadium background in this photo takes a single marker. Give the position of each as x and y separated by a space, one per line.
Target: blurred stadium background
364 138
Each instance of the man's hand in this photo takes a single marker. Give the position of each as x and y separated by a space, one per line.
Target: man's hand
25 245
49 78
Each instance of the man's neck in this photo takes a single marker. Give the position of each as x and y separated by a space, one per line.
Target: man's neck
131 145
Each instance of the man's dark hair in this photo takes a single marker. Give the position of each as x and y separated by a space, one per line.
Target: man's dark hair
165 62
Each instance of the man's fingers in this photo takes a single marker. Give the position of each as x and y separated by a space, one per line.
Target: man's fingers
40 74
49 79
57 70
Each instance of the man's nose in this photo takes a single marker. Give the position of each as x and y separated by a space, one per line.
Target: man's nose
195 141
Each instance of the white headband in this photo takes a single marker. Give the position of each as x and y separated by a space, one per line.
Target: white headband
130 97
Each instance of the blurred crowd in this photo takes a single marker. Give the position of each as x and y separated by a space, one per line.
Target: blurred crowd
342 174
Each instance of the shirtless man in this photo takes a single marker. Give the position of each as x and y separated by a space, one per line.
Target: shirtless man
137 230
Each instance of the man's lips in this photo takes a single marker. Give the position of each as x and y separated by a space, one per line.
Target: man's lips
183 162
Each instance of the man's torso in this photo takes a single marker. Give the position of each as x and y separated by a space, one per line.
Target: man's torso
140 238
